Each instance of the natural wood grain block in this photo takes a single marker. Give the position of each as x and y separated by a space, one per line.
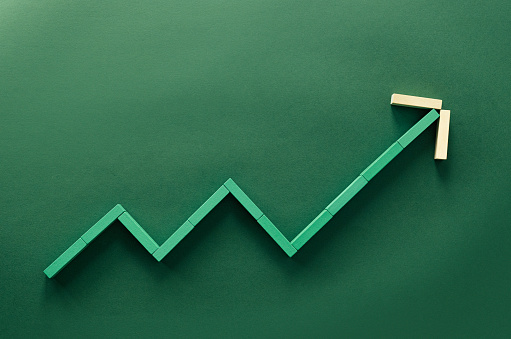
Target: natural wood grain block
413 101
442 135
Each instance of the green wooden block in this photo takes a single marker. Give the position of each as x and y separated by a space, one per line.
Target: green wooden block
103 223
279 238
418 128
311 229
173 240
138 232
346 195
65 258
208 205
382 161
243 199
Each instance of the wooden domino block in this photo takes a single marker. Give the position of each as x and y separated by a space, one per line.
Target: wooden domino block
442 135
346 195
138 232
311 229
208 205
173 240
413 101
243 199
279 238
382 161
418 128
65 258
103 223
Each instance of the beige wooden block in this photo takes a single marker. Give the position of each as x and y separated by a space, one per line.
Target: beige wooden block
442 135
411 101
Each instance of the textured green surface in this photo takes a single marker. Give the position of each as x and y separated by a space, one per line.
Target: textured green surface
65 258
153 104
173 240
382 161
103 223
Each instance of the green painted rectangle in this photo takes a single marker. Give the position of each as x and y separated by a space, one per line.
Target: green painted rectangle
382 161
346 195
138 232
418 128
311 229
243 199
173 240
279 238
65 258
103 223
208 205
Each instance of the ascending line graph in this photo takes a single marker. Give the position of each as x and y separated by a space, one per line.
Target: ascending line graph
230 187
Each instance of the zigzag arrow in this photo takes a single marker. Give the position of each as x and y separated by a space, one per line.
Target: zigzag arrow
159 252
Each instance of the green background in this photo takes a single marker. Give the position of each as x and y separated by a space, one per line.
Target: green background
154 104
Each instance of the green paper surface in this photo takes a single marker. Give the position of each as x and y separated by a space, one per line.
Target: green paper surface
155 104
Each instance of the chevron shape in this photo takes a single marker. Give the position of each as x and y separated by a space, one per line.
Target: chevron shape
230 187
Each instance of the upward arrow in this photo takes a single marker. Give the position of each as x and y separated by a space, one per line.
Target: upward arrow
290 248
